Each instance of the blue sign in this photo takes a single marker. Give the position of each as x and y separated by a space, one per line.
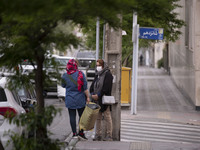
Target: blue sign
151 33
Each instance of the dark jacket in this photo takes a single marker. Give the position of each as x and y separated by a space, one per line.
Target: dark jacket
106 89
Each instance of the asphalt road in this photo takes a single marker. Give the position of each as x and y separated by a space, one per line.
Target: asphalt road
60 127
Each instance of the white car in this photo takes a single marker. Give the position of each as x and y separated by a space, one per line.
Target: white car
87 59
62 63
26 67
9 101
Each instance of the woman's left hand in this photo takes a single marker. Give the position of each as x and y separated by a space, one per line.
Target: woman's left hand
88 100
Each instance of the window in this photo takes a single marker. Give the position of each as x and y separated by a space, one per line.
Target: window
62 61
26 62
21 92
16 97
85 55
2 95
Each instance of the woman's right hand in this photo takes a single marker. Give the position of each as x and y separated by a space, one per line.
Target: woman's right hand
95 97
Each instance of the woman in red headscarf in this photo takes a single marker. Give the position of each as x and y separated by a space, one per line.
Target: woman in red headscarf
75 83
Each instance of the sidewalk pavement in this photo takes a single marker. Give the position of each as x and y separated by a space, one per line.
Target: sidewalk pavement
161 102
116 145
186 118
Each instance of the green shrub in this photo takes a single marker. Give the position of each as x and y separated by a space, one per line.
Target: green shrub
36 134
160 63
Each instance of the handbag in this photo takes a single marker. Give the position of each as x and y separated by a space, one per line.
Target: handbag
108 100
89 116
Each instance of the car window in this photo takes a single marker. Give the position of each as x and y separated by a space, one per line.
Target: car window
2 95
85 55
32 93
17 98
21 93
87 63
26 62
61 61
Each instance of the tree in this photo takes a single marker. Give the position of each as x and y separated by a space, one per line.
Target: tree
154 13
29 30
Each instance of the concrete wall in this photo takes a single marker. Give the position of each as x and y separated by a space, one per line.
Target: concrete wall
197 50
158 52
184 60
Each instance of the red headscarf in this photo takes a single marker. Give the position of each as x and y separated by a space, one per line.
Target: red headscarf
72 68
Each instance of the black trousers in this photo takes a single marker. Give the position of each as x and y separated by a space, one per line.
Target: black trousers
72 116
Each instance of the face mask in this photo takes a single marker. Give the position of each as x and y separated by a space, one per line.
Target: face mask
99 68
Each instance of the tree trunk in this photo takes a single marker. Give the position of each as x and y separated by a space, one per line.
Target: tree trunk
41 131
39 84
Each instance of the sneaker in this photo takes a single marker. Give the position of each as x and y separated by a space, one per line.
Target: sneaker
74 135
97 138
81 135
108 138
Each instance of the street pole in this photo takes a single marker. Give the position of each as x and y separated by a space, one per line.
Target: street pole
97 38
104 32
134 65
113 52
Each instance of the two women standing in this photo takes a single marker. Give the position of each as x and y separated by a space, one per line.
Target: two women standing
77 95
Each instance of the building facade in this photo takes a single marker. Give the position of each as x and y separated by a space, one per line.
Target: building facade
184 54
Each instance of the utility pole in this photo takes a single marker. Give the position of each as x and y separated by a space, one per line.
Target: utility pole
135 39
97 38
113 52
104 32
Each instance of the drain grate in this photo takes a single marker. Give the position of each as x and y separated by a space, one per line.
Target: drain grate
140 146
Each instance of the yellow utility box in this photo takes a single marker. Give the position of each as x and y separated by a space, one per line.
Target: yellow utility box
126 85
